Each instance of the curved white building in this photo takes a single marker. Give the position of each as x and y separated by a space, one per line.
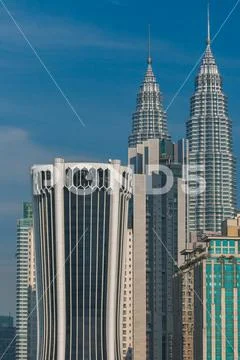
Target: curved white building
80 221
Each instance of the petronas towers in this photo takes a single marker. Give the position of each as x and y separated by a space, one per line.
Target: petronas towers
202 195
210 159
209 131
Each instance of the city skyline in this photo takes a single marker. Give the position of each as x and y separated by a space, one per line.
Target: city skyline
26 133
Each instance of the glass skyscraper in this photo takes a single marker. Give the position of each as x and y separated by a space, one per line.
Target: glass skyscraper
207 300
80 217
209 132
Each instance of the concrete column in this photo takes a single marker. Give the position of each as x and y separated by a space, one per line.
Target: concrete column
113 261
59 176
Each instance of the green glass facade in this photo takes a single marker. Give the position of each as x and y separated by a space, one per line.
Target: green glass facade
223 299
207 301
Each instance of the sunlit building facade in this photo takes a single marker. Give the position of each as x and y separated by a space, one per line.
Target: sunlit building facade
80 213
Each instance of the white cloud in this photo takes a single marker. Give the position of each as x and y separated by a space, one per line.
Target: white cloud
18 154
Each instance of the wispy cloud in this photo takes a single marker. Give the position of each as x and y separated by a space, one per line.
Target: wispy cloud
52 33
20 152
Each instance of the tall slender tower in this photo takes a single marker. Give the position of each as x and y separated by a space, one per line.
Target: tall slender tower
209 131
26 296
149 120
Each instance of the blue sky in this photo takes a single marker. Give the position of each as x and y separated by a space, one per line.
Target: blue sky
96 51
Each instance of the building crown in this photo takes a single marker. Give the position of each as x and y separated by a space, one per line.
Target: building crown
149 119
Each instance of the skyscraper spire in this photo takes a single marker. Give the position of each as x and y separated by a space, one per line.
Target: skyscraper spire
149 46
209 25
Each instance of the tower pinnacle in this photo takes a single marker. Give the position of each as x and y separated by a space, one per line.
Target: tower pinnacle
149 46
208 25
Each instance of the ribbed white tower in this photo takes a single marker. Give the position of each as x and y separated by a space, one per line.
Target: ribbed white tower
149 120
80 221
209 131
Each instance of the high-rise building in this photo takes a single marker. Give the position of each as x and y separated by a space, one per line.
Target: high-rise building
209 131
25 312
159 235
7 338
80 219
207 298
158 222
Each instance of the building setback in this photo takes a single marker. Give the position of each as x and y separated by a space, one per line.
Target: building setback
80 218
207 298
